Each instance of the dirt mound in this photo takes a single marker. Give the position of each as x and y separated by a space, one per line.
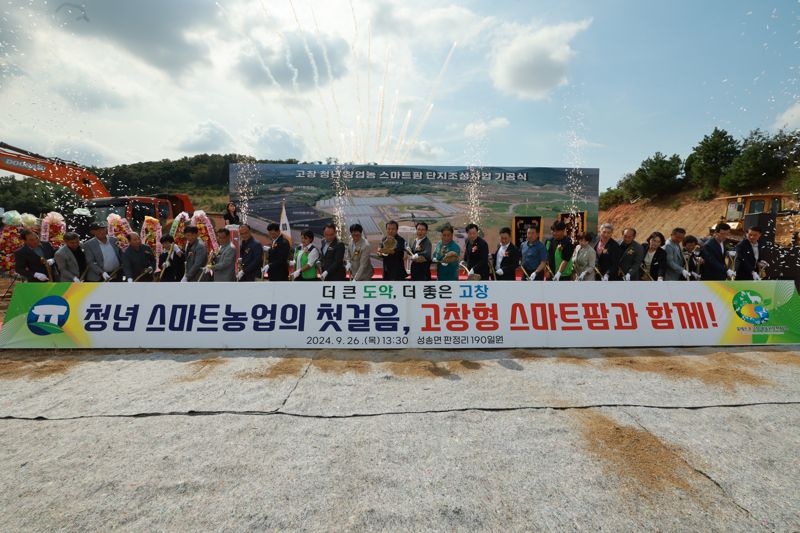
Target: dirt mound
680 210
643 463
20 368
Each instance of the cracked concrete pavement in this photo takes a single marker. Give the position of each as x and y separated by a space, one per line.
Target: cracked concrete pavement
669 439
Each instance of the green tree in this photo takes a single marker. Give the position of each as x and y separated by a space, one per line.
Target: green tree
657 176
26 195
760 163
711 159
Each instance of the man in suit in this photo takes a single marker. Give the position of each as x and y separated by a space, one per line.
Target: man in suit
250 255
103 256
676 263
223 267
70 259
35 258
713 254
476 253
559 252
278 258
171 260
421 254
332 256
137 259
608 254
506 258
394 263
748 252
631 255
357 260
196 254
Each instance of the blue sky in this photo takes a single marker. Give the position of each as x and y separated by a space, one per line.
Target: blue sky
591 83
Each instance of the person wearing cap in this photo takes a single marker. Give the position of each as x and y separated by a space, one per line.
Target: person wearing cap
103 256
34 258
137 259
196 254
70 258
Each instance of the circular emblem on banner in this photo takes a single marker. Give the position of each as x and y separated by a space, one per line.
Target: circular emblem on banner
48 316
750 307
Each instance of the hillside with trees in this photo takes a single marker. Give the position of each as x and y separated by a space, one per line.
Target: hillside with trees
718 164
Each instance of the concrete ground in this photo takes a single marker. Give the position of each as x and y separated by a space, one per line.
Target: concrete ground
620 440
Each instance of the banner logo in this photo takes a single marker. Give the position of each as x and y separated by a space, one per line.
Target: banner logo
751 307
48 316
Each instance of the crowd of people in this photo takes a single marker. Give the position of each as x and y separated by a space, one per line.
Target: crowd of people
560 257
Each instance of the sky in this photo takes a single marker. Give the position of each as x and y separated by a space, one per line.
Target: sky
595 83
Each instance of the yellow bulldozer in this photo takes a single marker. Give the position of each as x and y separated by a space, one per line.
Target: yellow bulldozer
778 214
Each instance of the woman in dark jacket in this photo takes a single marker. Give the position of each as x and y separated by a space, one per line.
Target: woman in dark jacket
654 263
231 215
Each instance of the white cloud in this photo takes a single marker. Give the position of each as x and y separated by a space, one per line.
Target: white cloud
790 118
425 152
208 136
480 128
275 142
535 63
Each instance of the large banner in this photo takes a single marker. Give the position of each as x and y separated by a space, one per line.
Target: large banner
370 315
371 195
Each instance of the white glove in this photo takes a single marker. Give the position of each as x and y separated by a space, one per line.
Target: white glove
557 276
348 266
628 276
40 276
756 277
605 277
292 263
499 271
660 278
324 275
695 275
583 275
166 265
533 276
731 273
184 279
471 272
295 274
732 253
130 280
266 248
208 271
106 277
763 264
265 270
686 274
177 250
239 275
76 280
414 257
51 262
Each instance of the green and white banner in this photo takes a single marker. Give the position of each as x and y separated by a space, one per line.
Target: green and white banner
465 314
